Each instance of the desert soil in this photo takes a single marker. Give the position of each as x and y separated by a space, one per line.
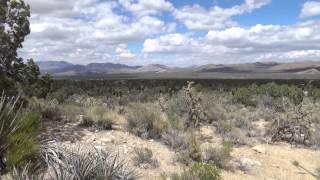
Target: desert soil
274 161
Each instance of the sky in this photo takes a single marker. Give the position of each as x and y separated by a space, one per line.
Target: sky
173 32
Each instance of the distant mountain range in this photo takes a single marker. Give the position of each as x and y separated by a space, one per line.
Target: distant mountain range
62 68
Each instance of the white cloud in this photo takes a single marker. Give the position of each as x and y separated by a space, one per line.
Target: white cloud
123 51
84 31
146 7
238 44
198 18
310 9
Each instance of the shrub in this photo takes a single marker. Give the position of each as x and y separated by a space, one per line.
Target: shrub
244 94
229 133
213 108
144 120
175 139
49 109
186 106
86 122
218 156
99 117
315 136
144 156
199 171
192 153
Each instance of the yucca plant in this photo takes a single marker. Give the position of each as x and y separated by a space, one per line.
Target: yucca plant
24 173
84 164
8 124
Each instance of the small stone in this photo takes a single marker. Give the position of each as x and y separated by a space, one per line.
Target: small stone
247 164
259 149
106 140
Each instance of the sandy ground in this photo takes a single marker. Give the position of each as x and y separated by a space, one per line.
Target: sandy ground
276 163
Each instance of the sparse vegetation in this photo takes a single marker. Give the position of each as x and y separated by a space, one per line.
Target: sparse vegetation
65 128
199 171
146 121
218 156
143 157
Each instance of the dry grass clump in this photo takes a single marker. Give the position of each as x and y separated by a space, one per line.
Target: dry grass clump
49 109
230 133
146 121
192 153
199 171
99 117
143 157
218 156
175 139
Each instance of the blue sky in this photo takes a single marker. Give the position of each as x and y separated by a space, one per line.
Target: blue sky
174 32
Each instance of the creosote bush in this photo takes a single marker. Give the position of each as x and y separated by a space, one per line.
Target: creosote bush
145 120
199 171
175 139
144 156
218 156
99 117
192 153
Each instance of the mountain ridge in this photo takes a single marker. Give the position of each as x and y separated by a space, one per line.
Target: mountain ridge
63 68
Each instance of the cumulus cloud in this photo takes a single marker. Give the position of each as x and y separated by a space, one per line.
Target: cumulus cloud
238 44
123 51
310 9
146 7
198 18
84 31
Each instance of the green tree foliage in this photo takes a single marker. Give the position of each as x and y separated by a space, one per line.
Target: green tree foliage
14 27
244 94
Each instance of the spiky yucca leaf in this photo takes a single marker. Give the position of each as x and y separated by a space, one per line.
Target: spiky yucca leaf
89 163
25 174
8 124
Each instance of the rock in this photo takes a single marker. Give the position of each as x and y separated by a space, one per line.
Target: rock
106 140
259 149
247 164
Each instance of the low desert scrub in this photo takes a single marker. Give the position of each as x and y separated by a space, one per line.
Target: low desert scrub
186 106
230 133
199 171
192 153
218 156
315 136
175 139
99 117
49 109
146 120
143 157
213 105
